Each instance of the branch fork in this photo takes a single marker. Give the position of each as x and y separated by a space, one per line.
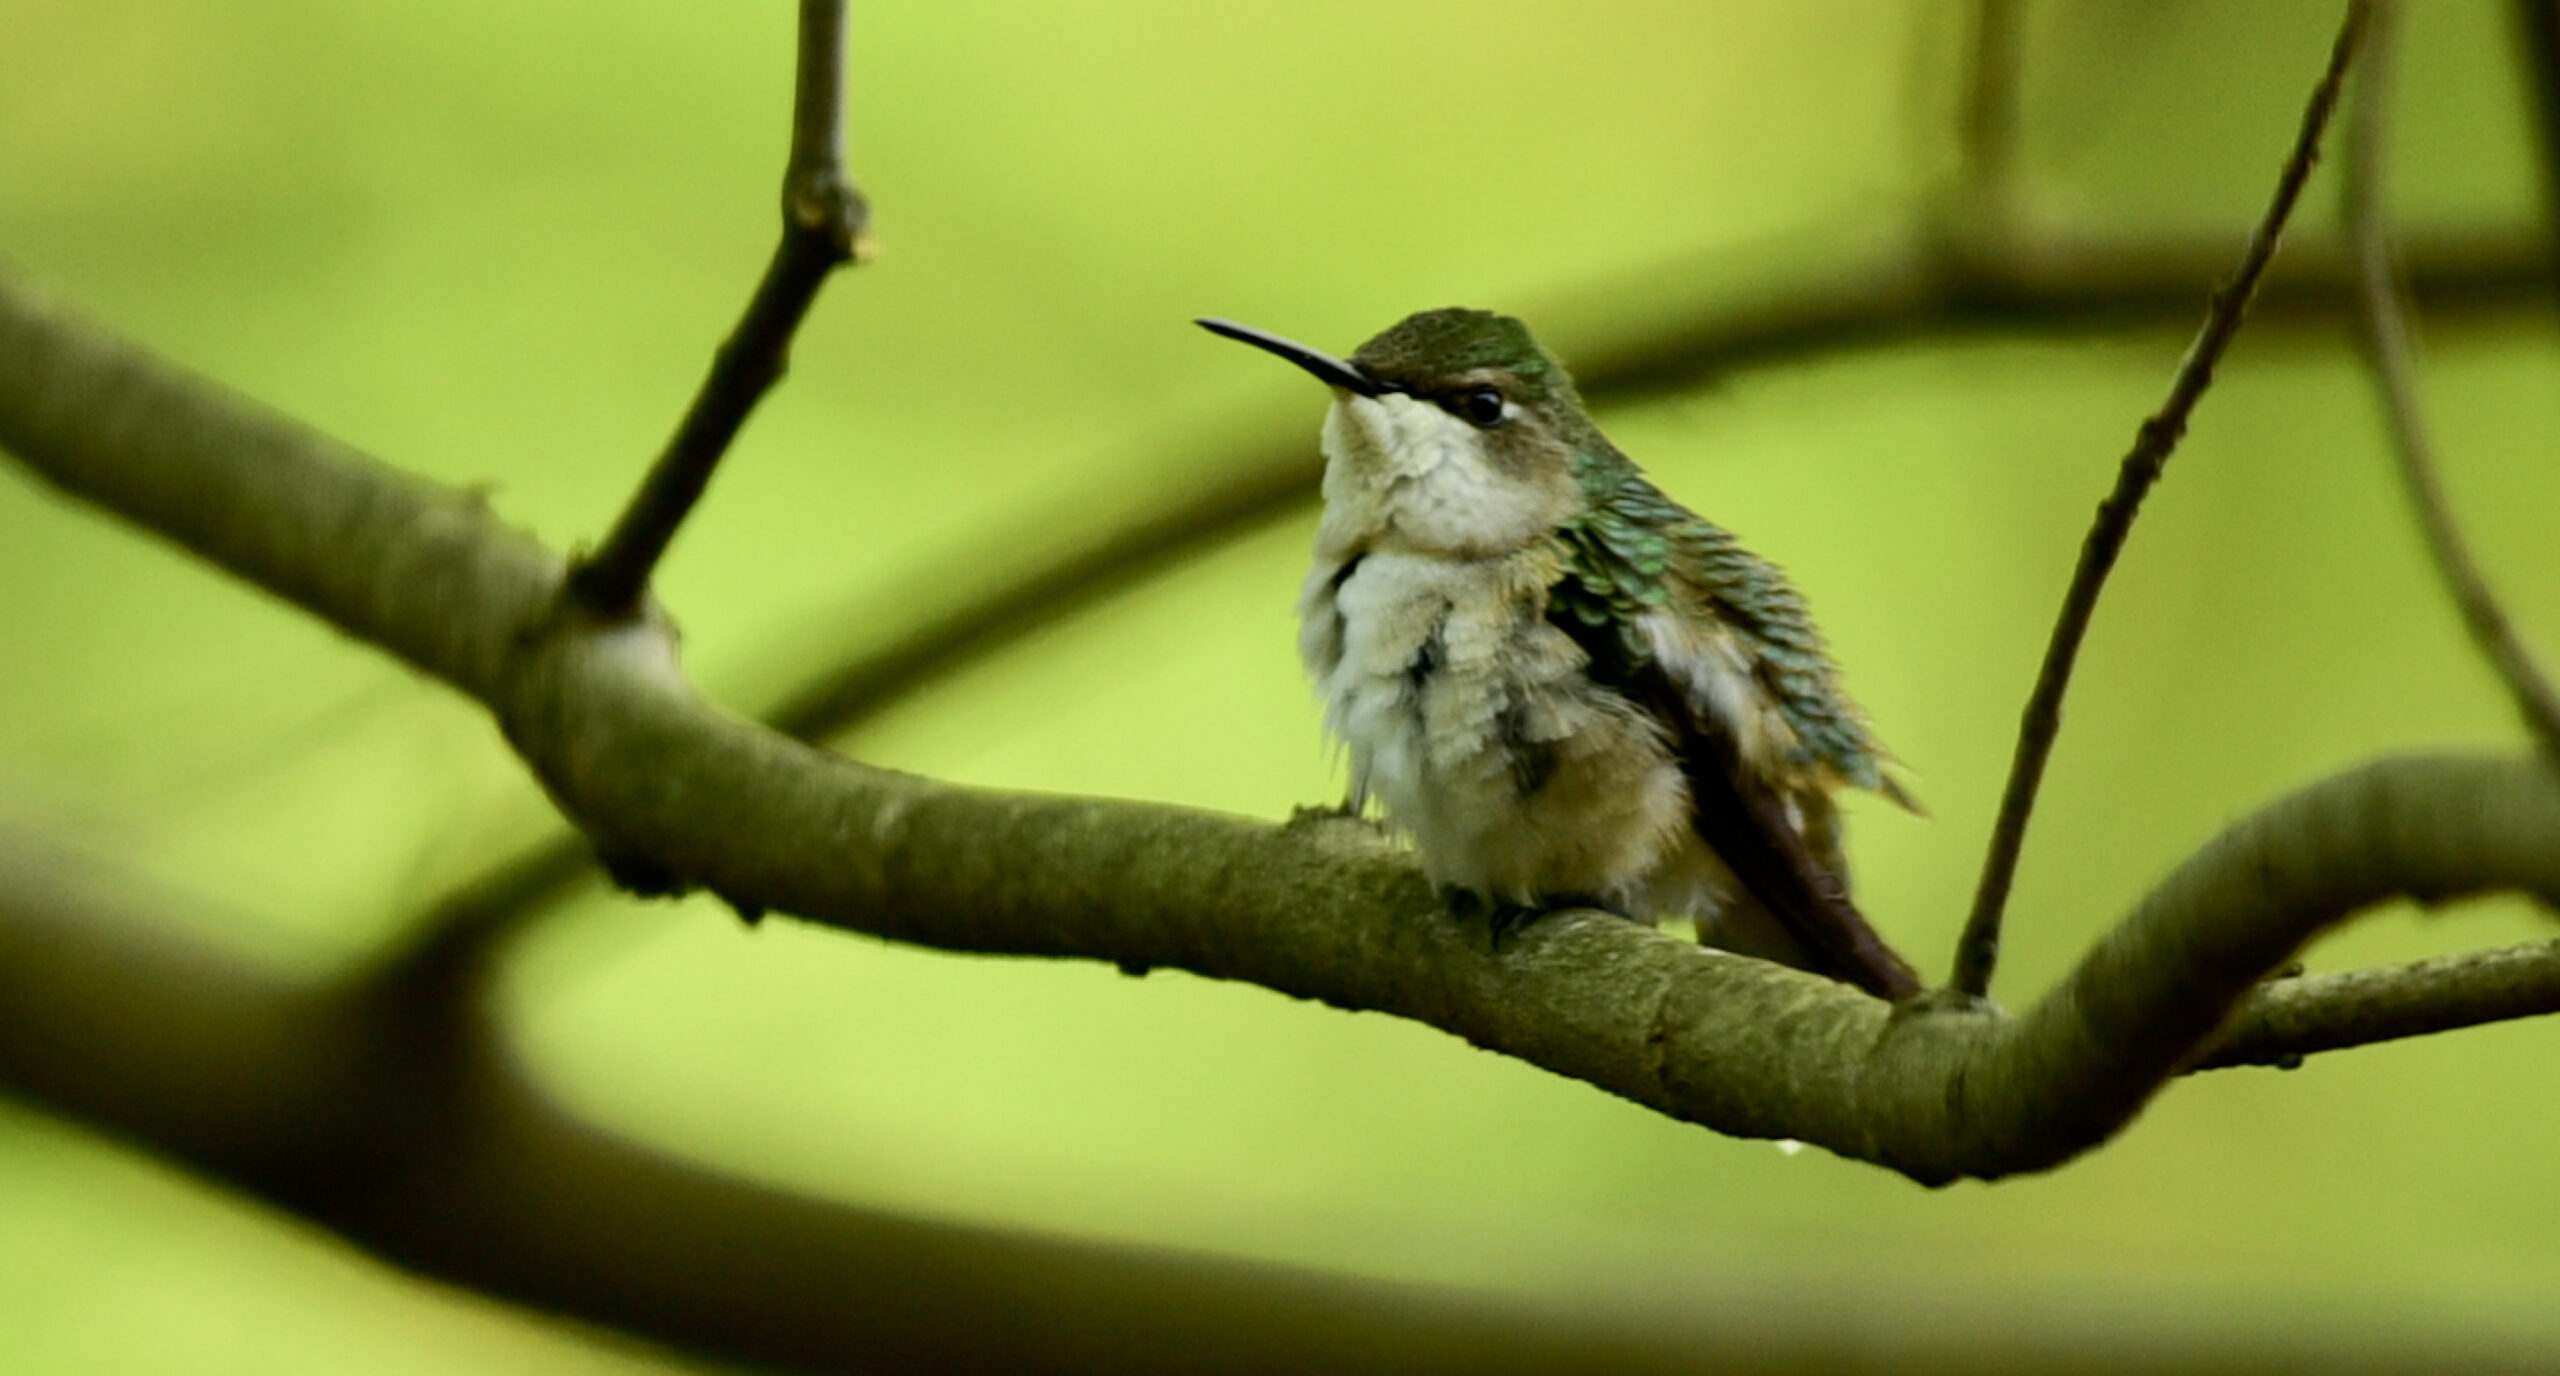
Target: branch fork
825 225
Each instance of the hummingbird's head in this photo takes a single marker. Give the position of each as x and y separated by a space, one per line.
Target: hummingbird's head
1451 433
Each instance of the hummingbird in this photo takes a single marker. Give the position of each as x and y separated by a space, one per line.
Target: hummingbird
1567 688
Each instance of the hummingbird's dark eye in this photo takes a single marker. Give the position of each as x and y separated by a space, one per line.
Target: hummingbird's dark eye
1478 406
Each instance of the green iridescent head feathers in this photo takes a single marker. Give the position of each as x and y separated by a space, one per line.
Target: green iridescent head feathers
1431 349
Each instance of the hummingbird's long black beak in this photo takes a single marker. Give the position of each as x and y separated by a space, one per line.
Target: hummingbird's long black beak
1331 371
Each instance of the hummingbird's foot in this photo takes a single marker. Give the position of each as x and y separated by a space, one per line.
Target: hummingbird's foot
1511 919
1502 920
1348 810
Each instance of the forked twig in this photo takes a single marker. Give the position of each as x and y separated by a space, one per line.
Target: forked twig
2537 36
1978 950
1987 112
824 225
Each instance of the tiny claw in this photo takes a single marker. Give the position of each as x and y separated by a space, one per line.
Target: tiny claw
1510 919
1308 814
1469 907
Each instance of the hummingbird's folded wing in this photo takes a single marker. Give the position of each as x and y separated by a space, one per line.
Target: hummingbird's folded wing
1745 822
1712 640
1742 817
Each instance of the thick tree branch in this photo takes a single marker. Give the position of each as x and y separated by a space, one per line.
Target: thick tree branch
1324 911
404 1126
1978 949
824 226
2391 360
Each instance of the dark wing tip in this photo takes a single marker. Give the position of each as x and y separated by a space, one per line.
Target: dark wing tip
1746 826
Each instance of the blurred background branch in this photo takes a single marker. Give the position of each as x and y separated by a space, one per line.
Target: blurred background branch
2389 352
398 1119
2537 45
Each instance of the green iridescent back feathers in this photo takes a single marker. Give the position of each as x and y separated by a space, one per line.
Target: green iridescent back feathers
1621 556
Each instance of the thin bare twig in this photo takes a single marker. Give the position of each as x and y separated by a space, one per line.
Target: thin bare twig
1978 950
2289 1019
2537 35
824 225
1987 118
2391 362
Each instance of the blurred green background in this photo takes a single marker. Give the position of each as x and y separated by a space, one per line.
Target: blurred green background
495 242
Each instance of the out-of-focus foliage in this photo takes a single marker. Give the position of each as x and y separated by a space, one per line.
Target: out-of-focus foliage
494 242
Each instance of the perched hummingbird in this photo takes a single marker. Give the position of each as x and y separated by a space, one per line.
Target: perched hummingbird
1567 687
